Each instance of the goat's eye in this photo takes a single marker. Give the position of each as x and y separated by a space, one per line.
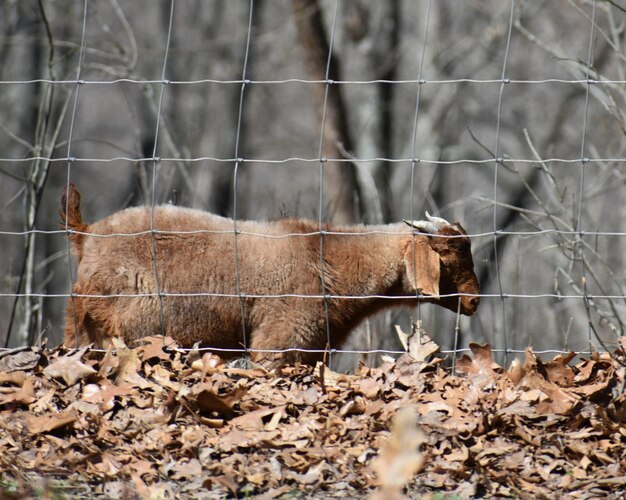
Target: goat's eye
465 247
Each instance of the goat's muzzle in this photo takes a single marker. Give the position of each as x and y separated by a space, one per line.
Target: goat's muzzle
469 305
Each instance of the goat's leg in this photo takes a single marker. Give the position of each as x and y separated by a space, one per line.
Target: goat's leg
278 343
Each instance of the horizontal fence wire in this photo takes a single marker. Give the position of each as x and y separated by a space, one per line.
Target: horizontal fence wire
424 161
390 352
505 295
182 232
315 82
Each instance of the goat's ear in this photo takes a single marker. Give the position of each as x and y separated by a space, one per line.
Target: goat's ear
423 269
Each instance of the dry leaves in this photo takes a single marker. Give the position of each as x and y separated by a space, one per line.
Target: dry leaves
156 422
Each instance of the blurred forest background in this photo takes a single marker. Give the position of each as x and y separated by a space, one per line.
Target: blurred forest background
549 226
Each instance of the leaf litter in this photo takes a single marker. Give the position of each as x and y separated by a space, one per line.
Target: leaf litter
149 421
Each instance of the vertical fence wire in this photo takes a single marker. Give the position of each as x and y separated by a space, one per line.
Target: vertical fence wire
498 160
238 161
322 162
581 186
155 165
414 159
70 136
418 93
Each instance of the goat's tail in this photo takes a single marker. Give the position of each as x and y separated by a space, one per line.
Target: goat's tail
71 218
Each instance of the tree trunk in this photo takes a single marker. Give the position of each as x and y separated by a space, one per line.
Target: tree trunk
340 183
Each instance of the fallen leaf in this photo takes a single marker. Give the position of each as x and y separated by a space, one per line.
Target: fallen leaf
481 365
44 403
353 407
24 395
142 488
105 395
148 348
235 438
70 368
435 406
254 421
208 363
20 359
516 371
308 396
228 482
312 476
370 388
50 421
258 479
129 362
186 469
142 468
401 457
417 344
559 371
209 402
163 377
109 364
14 378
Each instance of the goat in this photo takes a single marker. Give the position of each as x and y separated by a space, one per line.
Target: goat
193 254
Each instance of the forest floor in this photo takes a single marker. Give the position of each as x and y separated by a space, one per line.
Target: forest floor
145 422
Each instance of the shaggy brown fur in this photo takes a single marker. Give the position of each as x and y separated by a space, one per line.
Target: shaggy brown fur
399 264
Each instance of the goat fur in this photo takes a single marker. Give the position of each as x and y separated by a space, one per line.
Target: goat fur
400 264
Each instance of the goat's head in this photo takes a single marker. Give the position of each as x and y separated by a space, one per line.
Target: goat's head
447 268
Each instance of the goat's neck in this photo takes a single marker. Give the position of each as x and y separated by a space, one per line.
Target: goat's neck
365 264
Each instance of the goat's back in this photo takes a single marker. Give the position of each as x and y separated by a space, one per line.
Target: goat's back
190 246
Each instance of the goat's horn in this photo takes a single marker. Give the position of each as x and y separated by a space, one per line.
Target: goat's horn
422 225
437 220
431 226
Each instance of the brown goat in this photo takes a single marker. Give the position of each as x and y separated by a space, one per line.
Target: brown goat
280 259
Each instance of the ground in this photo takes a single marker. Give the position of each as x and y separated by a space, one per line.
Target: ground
161 423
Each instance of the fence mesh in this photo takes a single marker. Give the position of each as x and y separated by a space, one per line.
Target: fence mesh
540 195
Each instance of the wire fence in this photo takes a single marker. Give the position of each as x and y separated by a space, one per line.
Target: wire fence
580 239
